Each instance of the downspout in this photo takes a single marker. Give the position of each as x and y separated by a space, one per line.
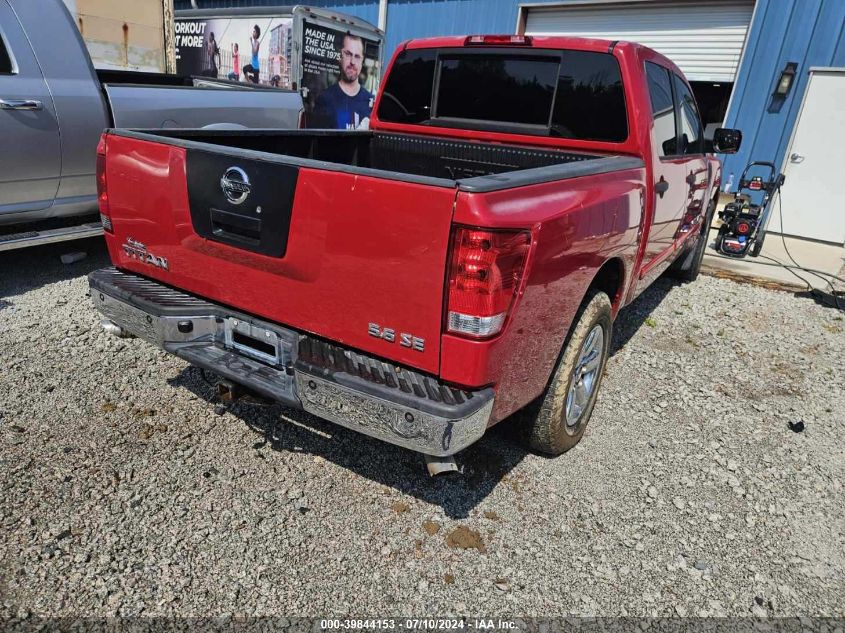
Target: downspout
382 14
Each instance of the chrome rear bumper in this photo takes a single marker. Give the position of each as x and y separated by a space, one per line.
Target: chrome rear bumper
386 401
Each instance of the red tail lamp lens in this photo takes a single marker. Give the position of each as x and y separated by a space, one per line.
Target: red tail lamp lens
485 270
102 189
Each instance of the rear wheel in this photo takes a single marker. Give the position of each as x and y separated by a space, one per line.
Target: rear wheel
688 264
556 422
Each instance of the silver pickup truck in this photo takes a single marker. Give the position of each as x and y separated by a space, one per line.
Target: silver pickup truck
54 105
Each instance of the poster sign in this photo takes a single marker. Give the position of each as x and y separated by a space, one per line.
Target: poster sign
239 49
339 77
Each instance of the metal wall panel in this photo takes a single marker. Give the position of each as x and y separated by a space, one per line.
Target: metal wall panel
123 35
703 38
407 18
808 32
424 18
364 9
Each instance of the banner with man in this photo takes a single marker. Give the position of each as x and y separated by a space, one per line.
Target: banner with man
340 74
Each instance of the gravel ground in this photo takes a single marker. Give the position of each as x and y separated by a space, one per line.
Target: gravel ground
123 493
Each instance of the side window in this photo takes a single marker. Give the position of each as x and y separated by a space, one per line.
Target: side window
5 58
662 109
406 97
590 100
691 137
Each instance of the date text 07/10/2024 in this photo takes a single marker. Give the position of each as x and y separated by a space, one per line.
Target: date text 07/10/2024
425 624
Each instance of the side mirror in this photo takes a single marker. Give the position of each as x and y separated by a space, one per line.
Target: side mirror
726 141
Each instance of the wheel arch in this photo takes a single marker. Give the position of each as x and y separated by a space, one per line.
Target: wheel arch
610 278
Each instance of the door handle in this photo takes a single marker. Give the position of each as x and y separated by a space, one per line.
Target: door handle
20 104
795 157
661 187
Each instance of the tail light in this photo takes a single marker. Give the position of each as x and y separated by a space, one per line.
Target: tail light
102 189
498 40
485 271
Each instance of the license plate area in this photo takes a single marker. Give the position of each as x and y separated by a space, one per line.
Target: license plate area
254 341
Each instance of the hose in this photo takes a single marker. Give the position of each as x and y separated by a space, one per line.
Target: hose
821 274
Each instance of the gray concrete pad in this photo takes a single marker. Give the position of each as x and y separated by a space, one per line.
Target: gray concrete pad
819 256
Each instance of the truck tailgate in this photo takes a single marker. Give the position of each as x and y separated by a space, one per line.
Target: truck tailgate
342 256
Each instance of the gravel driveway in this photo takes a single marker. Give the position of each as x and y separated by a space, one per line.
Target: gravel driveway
123 493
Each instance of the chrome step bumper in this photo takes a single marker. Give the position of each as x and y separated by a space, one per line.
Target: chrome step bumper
383 400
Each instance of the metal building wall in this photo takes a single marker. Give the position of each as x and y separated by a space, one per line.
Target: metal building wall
408 18
809 32
423 18
364 9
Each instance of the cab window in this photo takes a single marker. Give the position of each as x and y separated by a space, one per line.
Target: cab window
6 67
691 138
665 134
590 99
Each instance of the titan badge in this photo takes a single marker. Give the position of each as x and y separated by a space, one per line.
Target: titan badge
138 251
389 335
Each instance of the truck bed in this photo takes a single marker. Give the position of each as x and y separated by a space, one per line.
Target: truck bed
426 160
161 105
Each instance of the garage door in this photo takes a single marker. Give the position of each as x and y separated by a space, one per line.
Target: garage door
704 39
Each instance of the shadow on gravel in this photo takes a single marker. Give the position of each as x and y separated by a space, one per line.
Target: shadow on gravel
486 463
631 318
25 269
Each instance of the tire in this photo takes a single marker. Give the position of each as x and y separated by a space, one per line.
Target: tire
688 264
553 426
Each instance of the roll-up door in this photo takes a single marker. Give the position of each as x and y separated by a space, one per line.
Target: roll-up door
704 39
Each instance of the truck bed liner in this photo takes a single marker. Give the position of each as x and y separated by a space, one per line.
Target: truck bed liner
424 159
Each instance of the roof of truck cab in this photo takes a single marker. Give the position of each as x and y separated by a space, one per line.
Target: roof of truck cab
553 42
538 41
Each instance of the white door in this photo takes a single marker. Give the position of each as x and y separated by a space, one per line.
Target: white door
812 197
704 38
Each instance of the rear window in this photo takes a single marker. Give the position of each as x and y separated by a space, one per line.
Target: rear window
569 94
497 88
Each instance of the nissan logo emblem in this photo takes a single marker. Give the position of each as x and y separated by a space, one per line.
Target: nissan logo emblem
235 185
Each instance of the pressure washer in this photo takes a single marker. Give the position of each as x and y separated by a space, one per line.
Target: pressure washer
744 221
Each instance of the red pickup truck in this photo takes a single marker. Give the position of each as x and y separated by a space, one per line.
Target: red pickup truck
459 262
